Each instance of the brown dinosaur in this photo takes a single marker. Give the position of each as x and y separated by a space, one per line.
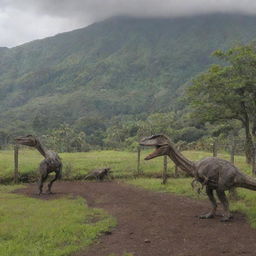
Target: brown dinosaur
51 162
214 173
100 174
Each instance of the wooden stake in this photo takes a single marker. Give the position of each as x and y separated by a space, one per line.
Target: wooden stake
165 170
214 149
16 163
232 152
138 161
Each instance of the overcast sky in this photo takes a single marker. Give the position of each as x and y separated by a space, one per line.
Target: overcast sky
25 20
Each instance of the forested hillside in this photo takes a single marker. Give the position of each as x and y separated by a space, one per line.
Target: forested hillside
127 67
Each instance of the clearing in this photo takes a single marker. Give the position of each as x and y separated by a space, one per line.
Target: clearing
156 224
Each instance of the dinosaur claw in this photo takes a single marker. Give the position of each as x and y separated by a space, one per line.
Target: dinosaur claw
207 216
226 218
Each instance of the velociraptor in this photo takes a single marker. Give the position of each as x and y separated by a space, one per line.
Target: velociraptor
215 173
51 163
99 174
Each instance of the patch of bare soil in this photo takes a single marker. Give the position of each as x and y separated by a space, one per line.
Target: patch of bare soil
157 224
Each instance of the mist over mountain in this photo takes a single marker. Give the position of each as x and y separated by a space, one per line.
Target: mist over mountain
121 66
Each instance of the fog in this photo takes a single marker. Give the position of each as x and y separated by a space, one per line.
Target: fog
25 20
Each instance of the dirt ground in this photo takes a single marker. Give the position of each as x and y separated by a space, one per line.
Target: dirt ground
157 224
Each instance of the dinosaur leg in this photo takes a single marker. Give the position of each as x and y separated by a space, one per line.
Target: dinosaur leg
224 201
110 177
57 176
211 197
42 179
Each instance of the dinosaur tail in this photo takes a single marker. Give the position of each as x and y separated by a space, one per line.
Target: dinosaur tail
248 182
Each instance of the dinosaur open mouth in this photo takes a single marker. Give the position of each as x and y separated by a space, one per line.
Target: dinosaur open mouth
21 140
155 153
156 141
25 140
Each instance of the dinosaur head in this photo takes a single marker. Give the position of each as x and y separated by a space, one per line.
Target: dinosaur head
161 144
28 140
107 170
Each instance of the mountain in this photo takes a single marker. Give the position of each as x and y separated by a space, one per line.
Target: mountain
120 66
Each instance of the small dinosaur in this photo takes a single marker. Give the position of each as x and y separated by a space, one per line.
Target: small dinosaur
51 162
212 172
99 174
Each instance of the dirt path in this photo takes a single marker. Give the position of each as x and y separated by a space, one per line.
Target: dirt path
157 224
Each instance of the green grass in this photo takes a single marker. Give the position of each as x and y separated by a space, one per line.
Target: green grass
122 163
58 227
181 186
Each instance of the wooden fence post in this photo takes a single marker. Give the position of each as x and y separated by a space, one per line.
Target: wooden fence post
16 163
232 152
138 161
232 155
214 149
176 168
165 170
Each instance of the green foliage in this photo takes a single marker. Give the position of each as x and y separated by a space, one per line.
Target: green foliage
220 92
94 127
35 227
225 93
119 67
122 163
66 139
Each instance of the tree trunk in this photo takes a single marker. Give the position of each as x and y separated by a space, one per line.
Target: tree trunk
164 175
138 160
254 160
248 137
248 144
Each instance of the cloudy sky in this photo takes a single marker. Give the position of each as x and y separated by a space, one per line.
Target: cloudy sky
25 20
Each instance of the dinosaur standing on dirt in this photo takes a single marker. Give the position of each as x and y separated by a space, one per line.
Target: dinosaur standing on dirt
214 173
99 174
51 163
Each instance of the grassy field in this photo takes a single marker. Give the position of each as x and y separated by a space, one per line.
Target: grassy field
58 227
77 165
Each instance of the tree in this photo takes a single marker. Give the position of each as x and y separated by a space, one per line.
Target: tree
94 127
66 139
228 92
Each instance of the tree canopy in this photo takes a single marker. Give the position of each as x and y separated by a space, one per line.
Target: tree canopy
228 91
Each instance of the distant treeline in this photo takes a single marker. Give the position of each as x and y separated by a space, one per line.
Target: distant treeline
107 85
